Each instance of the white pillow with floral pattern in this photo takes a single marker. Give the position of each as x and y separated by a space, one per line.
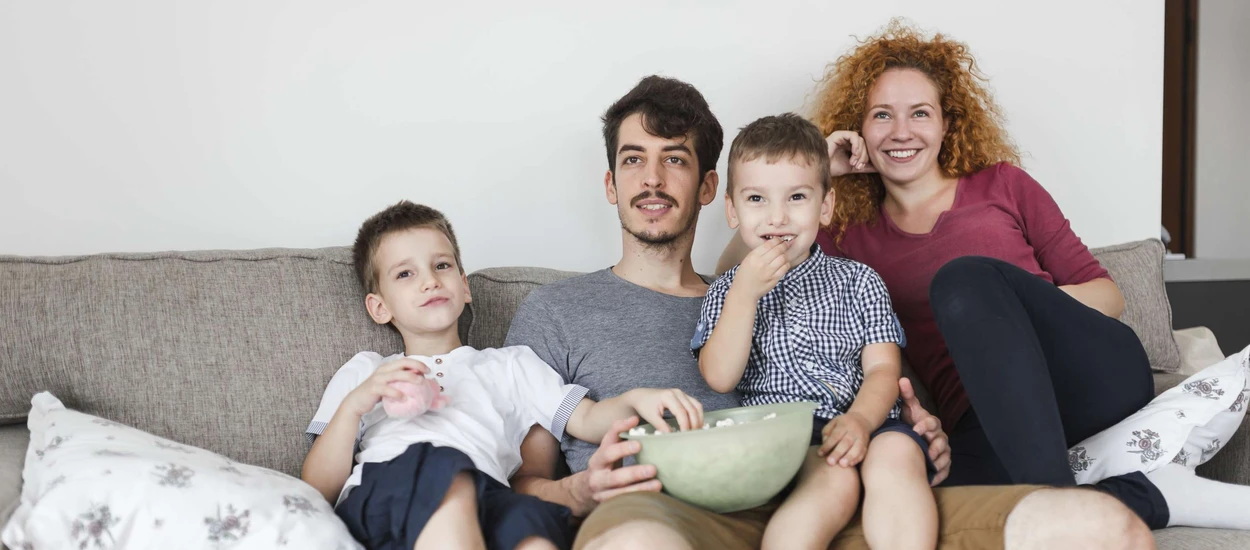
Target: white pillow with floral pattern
90 483
1186 424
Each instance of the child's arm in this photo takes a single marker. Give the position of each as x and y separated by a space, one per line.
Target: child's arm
329 462
846 436
723 359
591 420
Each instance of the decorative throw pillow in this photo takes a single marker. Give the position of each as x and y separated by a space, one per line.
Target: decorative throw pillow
1186 424
1137 268
92 483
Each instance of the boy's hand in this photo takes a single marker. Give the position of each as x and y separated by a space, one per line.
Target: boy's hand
651 404
848 154
845 440
762 268
366 396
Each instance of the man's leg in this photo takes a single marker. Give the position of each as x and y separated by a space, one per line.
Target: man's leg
650 521
1073 519
1024 517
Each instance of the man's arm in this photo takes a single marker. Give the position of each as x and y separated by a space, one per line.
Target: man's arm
583 491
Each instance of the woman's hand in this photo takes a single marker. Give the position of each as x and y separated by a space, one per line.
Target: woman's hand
848 154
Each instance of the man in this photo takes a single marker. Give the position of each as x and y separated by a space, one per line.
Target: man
630 326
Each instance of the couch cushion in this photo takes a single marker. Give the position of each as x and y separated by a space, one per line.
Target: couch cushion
1138 270
225 350
13 442
497 293
1190 538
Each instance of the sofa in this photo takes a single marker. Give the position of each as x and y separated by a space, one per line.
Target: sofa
230 350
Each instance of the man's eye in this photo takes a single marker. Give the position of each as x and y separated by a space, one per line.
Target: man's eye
631 160
675 160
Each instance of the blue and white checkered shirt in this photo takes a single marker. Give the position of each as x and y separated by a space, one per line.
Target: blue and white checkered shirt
809 333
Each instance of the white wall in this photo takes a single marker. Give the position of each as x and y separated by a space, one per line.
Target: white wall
1221 183
176 124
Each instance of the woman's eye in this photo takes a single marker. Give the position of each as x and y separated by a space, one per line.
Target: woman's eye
921 114
880 115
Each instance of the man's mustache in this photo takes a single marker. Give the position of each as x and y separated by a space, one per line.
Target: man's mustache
652 195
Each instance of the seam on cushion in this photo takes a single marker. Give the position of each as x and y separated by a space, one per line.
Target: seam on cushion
499 279
266 254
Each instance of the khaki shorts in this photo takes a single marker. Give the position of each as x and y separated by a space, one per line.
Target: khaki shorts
969 517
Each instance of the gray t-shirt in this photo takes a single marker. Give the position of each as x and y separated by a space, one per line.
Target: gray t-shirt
609 335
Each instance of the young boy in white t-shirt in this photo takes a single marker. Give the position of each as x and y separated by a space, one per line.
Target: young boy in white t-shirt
440 480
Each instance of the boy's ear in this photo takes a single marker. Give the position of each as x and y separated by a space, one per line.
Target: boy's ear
731 213
377 309
609 187
468 294
826 208
707 188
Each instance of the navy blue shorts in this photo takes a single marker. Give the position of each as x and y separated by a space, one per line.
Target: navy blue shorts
890 425
396 498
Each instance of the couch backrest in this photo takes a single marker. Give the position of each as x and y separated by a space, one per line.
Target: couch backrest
230 350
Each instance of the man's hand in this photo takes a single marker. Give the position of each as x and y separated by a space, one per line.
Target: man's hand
762 269
845 440
651 404
604 479
366 396
929 427
848 154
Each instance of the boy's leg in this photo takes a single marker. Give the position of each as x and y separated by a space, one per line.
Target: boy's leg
899 509
454 524
823 502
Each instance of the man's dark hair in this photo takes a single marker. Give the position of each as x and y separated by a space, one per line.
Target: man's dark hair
403 216
670 108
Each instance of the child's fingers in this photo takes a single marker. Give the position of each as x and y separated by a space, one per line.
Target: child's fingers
693 410
854 455
839 450
675 406
656 419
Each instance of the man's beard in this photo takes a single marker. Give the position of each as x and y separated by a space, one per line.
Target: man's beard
666 240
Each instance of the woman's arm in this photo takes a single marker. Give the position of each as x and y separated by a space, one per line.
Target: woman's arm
1100 294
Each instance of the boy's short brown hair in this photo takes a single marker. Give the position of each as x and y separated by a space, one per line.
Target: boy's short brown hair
403 216
779 137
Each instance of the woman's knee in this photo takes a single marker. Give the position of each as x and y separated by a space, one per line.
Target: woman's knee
961 279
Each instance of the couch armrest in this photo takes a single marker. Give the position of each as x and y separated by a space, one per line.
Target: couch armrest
1232 463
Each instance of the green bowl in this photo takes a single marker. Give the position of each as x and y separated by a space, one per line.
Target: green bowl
734 467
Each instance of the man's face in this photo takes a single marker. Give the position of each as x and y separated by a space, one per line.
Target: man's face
656 187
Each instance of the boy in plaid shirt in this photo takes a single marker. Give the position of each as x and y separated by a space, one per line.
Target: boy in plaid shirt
792 324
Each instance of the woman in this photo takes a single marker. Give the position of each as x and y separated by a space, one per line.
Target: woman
1011 322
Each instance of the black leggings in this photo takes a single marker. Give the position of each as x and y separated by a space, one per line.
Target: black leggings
1042 372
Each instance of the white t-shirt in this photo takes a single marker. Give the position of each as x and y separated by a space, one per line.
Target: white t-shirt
496 396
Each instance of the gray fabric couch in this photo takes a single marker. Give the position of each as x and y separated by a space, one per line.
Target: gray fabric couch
230 350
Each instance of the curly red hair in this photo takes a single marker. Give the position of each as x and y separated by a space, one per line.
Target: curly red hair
975 138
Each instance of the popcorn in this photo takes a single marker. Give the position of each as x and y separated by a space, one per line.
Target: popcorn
769 415
638 431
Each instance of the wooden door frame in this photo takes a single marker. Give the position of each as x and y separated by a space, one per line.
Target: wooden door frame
1180 47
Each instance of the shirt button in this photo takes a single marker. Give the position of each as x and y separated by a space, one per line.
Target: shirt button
440 375
441 389
438 361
